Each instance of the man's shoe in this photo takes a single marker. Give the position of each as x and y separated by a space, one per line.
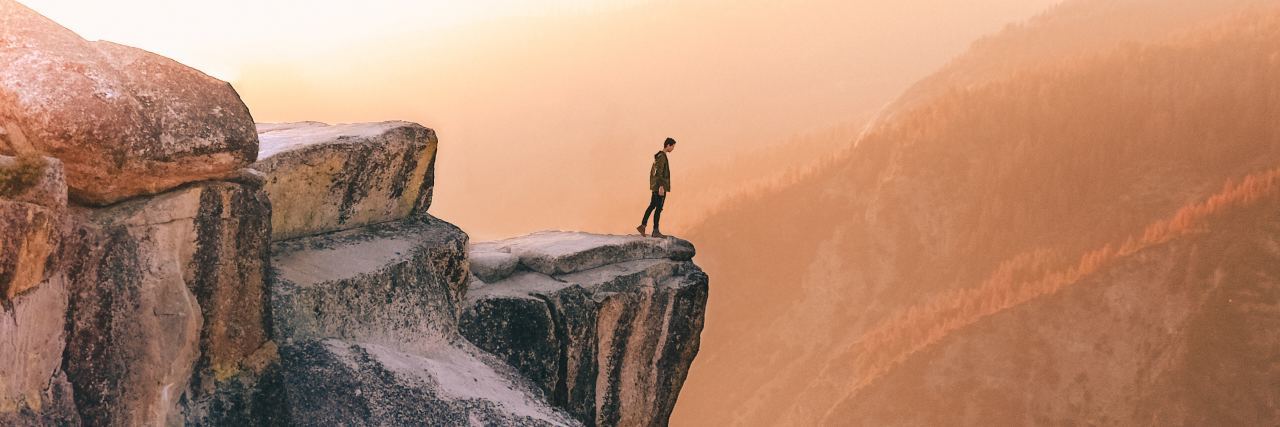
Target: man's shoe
658 234
641 230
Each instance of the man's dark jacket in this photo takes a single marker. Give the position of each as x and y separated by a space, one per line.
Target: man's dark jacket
660 174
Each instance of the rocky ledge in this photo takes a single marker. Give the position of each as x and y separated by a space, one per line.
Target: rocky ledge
336 177
148 277
605 339
367 319
606 326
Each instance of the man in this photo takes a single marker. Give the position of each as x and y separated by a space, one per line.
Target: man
660 185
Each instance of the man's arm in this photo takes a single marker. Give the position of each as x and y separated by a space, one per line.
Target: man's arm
664 176
654 175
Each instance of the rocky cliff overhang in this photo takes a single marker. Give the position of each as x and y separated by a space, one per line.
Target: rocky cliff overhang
148 278
606 326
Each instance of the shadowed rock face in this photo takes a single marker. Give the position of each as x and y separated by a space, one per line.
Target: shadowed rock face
334 382
125 122
167 306
609 336
324 178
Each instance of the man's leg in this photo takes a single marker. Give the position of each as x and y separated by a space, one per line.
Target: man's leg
657 212
653 204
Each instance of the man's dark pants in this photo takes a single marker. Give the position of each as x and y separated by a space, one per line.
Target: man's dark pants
655 207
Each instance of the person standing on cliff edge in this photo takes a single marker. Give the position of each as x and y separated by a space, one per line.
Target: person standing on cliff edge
660 185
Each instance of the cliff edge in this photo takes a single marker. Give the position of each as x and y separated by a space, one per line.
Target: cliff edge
166 261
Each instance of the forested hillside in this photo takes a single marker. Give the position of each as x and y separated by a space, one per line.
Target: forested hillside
988 195
1071 28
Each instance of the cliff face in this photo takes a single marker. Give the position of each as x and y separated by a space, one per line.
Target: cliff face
606 326
312 288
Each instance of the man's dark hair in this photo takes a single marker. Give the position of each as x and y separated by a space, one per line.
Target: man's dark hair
669 142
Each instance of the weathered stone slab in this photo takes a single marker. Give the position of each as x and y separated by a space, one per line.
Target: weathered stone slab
612 344
125 122
393 284
324 178
33 204
368 318
560 252
167 305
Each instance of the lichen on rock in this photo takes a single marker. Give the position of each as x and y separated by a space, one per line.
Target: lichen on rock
32 216
167 306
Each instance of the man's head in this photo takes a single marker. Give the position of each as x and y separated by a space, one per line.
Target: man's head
669 145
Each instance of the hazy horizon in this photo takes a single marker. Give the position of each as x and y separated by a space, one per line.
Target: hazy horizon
548 114
917 212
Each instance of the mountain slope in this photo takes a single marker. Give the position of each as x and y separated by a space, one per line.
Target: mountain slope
1180 332
1009 180
1068 29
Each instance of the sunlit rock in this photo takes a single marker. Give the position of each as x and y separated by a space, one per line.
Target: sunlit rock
167 317
559 252
124 122
325 178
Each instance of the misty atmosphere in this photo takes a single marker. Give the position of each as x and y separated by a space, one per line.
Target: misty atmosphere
918 212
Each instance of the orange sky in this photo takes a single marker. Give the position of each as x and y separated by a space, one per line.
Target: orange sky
223 37
549 112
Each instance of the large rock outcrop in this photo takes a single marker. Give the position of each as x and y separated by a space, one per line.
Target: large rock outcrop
325 178
607 326
168 315
368 322
179 288
123 121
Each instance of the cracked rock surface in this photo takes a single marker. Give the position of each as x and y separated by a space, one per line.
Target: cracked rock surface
607 326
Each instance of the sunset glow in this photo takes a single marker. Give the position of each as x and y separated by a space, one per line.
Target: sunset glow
850 212
222 37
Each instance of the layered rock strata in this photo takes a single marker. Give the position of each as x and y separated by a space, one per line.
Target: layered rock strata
607 326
